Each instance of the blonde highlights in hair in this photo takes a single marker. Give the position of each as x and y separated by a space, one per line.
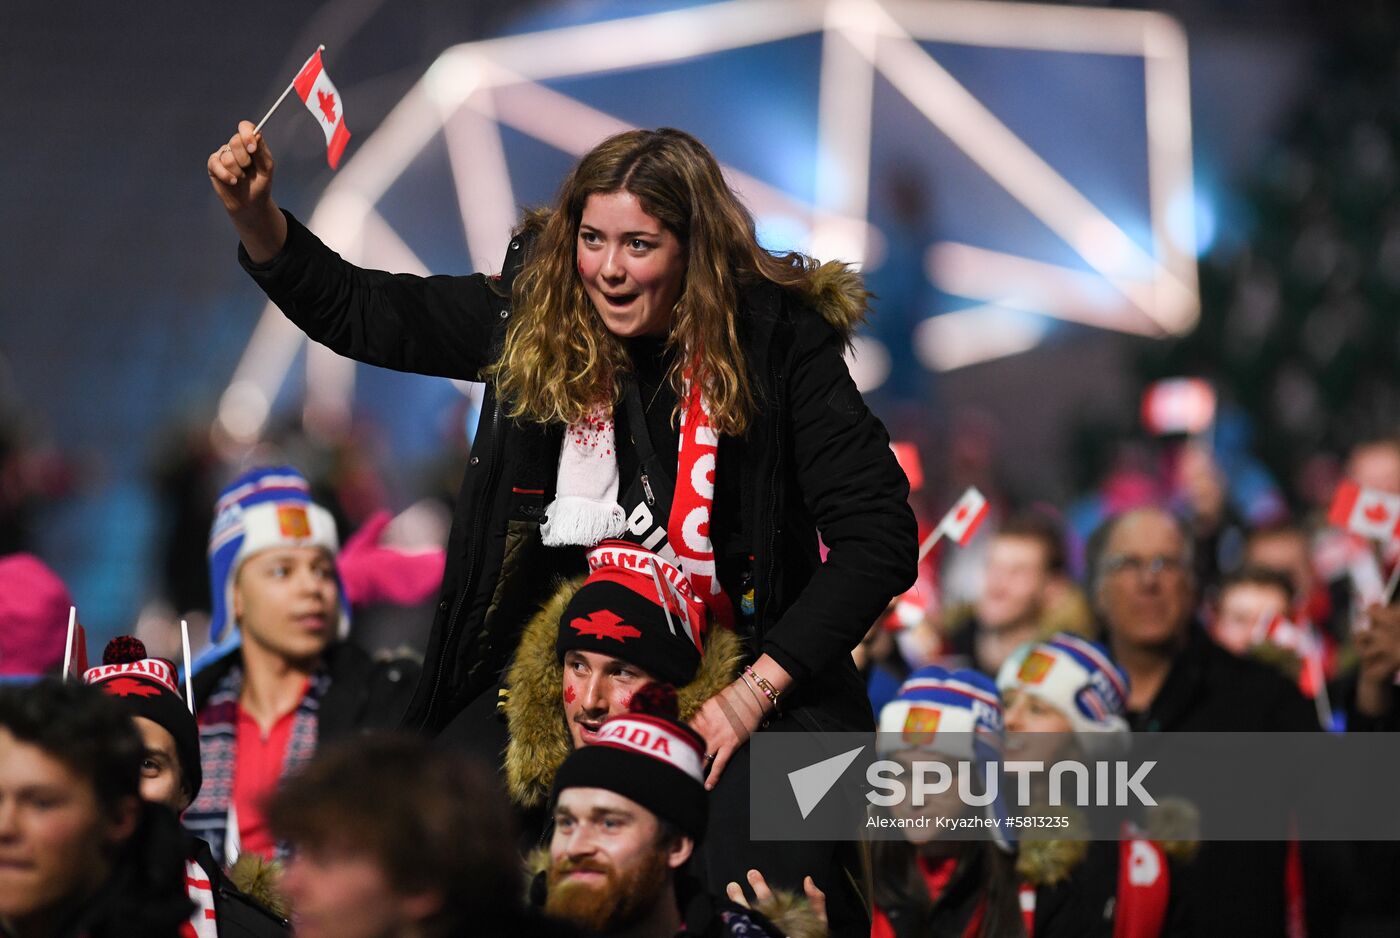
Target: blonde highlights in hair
560 362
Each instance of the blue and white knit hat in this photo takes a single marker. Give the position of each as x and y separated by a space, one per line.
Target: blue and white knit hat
956 714
1073 675
263 508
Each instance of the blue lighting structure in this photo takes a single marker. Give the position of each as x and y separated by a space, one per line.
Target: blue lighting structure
1001 172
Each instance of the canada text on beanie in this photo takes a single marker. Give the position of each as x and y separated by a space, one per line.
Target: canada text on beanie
148 687
650 758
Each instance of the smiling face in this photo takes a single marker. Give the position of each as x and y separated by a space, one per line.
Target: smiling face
632 266
54 834
610 860
596 686
286 601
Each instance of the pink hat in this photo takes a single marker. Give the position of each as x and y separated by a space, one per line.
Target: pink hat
34 607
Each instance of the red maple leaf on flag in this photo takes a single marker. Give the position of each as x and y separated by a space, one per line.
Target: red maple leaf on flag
605 624
327 102
1375 513
129 686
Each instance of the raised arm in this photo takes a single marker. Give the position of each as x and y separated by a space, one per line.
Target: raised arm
855 491
428 325
241 173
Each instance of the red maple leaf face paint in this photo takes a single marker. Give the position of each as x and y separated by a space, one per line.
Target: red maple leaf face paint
570 695
627 703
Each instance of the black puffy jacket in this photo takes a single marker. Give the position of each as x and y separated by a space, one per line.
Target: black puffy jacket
815 459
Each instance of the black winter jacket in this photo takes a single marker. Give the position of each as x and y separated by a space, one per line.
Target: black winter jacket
1088 902
1233 889
815 459
237 914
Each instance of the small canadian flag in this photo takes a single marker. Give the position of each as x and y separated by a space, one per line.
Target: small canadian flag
963 519
318 93
1364 511
1179 405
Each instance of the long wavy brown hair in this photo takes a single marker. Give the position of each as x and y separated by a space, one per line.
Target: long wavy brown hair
560 362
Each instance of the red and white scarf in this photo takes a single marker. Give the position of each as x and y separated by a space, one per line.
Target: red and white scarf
202 923
585 511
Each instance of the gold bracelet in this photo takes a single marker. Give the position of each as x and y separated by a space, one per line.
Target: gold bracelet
764 685
753 691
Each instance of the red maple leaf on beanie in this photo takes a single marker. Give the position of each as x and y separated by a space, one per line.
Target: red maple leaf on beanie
130 686
605 624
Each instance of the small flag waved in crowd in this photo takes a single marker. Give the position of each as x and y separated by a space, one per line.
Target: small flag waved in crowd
960 523
316 90
1179 405
1364 511
963 519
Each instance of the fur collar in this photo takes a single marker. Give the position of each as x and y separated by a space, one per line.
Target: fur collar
539 738
1174 825
261 881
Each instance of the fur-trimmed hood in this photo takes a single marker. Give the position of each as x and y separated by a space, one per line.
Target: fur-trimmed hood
260 880
539 737
837 292
1174 825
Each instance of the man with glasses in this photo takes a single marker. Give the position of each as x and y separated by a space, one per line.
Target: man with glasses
1144 592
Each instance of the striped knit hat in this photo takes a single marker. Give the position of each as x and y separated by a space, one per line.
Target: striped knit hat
148 687
1073 675
649 756
956 714
263 508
